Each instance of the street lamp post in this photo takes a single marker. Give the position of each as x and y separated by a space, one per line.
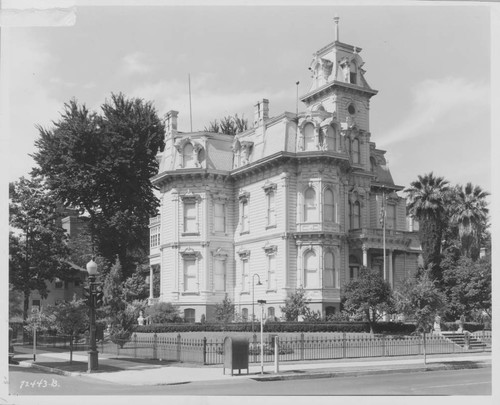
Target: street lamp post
253 296
93 360
262 303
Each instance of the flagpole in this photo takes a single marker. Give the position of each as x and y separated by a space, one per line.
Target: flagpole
190 109
383 229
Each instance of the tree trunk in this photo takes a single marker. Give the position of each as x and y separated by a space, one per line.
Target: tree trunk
370 322
71 349
26 304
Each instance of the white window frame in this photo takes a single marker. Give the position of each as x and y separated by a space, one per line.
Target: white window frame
220 221
309 139
356 153
188 159
329 208
310 213
310 274
271 272
327 270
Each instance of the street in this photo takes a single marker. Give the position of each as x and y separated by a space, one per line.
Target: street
26 381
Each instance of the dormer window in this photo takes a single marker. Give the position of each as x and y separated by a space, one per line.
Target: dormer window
187 155
353 74
309 142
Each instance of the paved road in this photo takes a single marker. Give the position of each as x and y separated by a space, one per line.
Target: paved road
25 381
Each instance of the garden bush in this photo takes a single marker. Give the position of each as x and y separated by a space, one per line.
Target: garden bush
468 326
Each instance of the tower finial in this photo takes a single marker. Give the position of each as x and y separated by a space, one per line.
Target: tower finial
336 19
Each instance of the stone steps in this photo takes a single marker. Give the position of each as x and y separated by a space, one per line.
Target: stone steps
460 340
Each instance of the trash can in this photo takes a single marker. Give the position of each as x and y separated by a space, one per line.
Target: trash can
235 354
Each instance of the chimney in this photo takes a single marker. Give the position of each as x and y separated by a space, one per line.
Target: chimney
172 121
261 112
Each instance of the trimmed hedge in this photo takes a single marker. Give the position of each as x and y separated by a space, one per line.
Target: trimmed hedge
270 327
468 326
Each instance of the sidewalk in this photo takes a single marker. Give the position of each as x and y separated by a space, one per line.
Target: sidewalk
129 371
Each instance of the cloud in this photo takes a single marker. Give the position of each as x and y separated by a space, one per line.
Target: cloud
29 100
437 104
209 99
135 63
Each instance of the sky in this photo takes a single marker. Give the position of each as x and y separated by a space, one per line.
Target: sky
430 64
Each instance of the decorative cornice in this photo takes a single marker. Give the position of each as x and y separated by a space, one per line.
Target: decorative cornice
269 186
190 252
244 254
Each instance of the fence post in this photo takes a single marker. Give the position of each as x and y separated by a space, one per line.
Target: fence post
179 347
135 345
302 346
383 346
205 350
155 346
344 346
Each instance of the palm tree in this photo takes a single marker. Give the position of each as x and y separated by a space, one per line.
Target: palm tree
427 198
470 213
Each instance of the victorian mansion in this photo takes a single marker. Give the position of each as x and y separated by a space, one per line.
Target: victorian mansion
293 202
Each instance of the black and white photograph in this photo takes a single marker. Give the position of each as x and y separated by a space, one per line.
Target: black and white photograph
248 200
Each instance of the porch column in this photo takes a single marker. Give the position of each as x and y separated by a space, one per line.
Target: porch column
365 255
151 283
391 271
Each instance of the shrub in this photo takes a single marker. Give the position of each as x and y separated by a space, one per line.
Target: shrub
468 326
387 328
163 312
120 336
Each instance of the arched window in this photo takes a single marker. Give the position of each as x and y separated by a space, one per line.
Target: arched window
329 275
348 145
353 76
331 141
309 142
187 155
355 215
310 212
189 315
244 314
310 270
355 151
329 206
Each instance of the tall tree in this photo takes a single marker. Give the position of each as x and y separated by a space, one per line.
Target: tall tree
470 213
426 202
102 164
468 288
369 295
37 249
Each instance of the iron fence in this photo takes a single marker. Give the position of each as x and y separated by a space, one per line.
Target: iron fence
290 348
294 348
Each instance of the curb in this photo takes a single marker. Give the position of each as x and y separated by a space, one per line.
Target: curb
50 369
304 375
336 374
